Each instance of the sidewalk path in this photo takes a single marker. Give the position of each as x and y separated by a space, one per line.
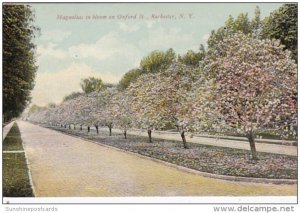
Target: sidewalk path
62 165
6 129
260 147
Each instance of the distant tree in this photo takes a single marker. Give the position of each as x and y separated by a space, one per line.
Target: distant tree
34 109
51 105
154 62
157 60
123 114
18 58
282 24
92 84
109 85
241 24
129 78
192 58
72 96
256 23
102 110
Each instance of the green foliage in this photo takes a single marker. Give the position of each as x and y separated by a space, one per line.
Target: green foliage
154 62
129 78
109 85
282 25
157 60
242 24
18 58
51 105
72 96
34 109
92 84
192 58
256 23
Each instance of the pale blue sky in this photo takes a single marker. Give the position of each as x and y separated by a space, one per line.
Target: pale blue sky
71 50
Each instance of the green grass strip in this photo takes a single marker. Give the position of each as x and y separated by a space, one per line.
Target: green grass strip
15 176
16 182
13 141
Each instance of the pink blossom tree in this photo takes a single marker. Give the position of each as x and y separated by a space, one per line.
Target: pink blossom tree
254 84
123 115
162 99
101 111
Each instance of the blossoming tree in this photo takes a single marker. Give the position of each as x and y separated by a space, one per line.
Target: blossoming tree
123 115
162 99
100 111
255 84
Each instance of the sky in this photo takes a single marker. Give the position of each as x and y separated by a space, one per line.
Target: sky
108 39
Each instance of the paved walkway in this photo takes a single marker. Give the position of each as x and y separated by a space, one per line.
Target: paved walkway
6 130
260 147
62 165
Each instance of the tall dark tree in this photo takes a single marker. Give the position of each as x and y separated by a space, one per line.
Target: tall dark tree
18 54
282 24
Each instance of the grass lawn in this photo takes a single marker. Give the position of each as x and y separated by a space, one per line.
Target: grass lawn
15 171
13 140
15 176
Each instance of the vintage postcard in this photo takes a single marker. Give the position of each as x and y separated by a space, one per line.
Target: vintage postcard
131 102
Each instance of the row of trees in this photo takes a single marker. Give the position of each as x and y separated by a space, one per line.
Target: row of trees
243 84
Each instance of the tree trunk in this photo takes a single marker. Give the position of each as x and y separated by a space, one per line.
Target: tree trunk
295 127
149 135
69 126
74 126
125 134
251 138
183 140
88 128
80 127
65 126
96 126
110 127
